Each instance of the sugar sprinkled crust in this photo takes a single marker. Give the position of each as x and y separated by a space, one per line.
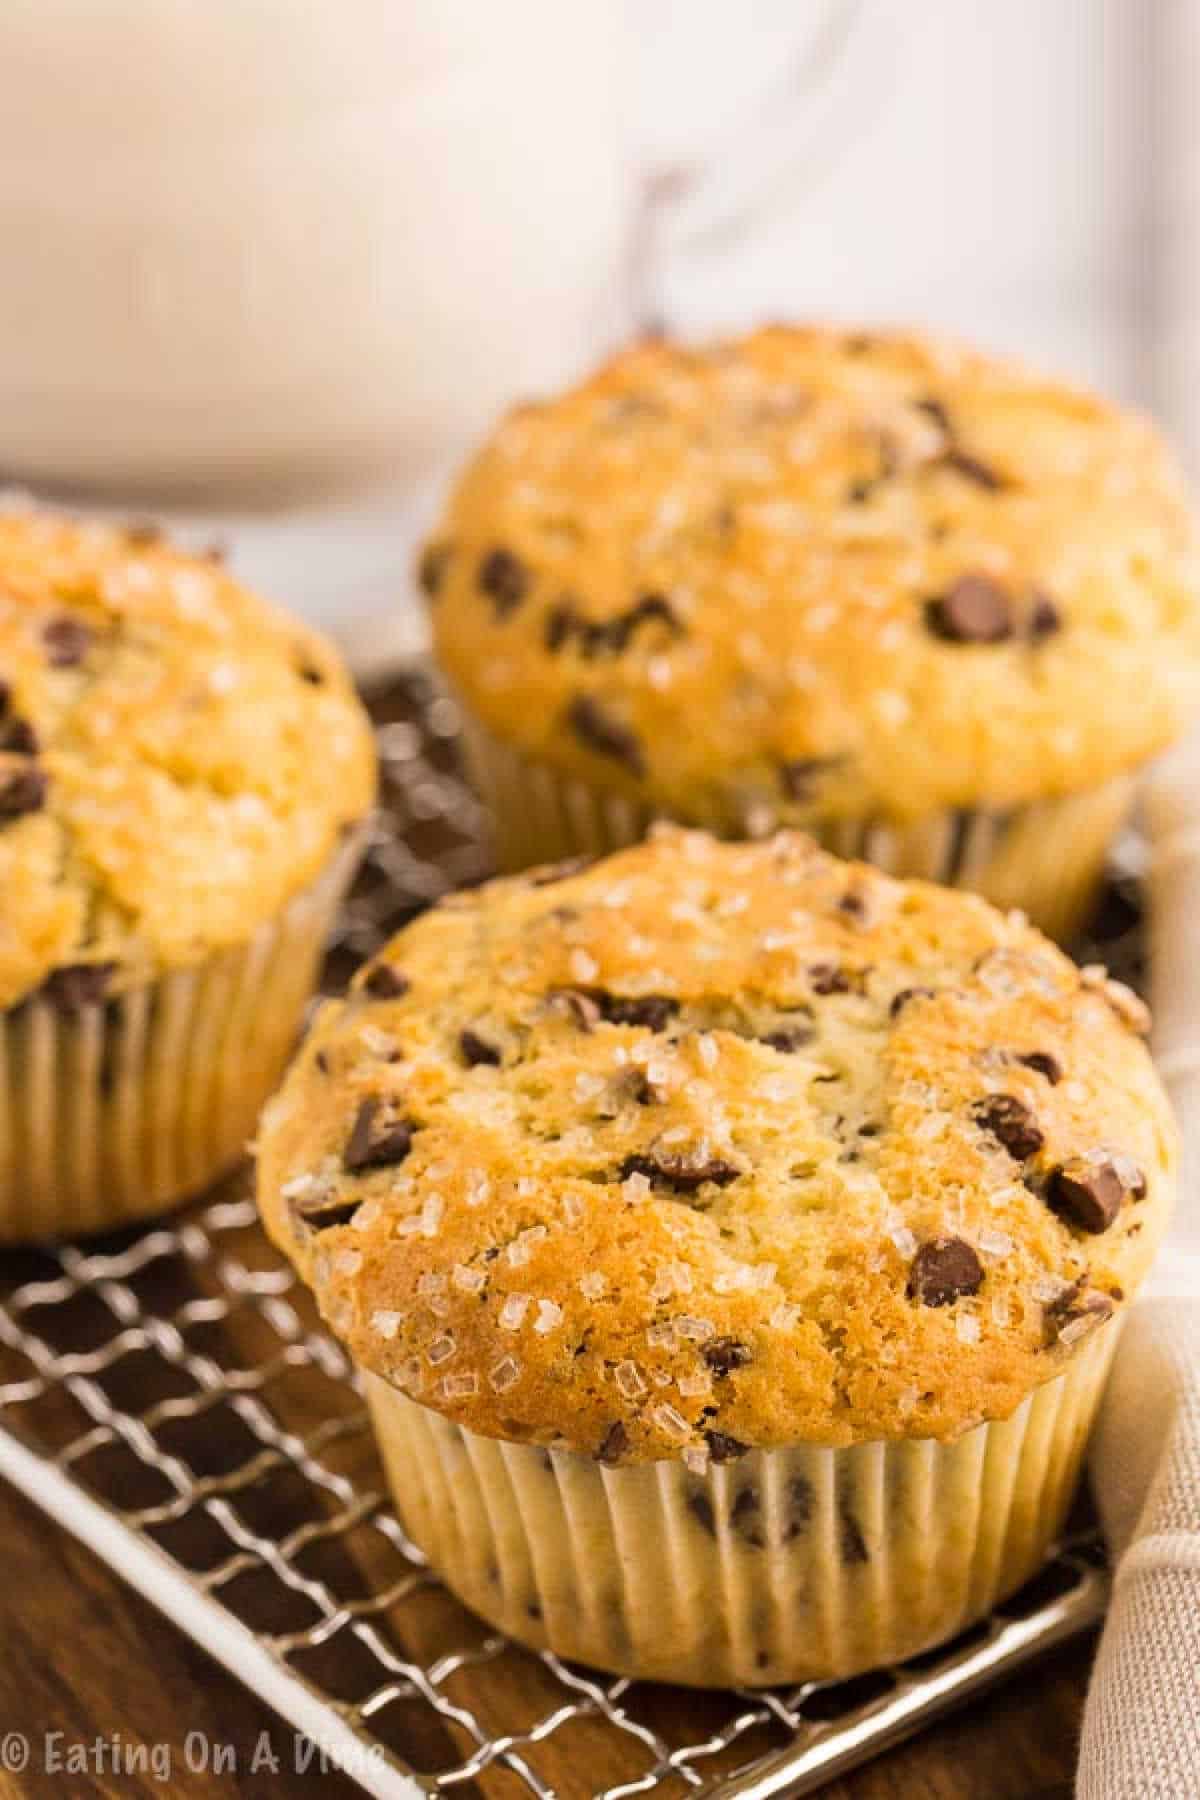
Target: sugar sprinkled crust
707 1146
812 574
176 758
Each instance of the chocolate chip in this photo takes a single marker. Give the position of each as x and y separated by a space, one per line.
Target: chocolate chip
18 736
648 609
723 1448
379 1137
700 1506
1076 1313
321 1062
504 578
790 1038
308 671
746 1513
383 981
976 610
683 1173
476 1050
900 1000
431 568
322 1210
5 695
1090 1194
725 1354
1011 1123
851 1543
653 1011
78 985
600 732
934 410
21 791
800 776
1042 1063
560 625
943 1269
613 1445
1044 618
67 641
972 468
829 978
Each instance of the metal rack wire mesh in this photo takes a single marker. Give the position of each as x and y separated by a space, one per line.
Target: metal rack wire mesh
170 1395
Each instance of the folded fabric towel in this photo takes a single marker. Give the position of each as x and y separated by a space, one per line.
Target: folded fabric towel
1141 1729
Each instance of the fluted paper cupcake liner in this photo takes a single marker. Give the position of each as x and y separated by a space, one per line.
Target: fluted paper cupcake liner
786 1565
1046 858
115 1111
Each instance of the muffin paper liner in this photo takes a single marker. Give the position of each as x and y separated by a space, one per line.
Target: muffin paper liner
1046 858
120 1109
785 1565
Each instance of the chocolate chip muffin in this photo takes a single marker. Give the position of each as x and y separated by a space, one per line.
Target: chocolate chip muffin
183 777
734 1241
929 606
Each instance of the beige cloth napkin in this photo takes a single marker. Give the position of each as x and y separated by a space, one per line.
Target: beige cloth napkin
1141 1728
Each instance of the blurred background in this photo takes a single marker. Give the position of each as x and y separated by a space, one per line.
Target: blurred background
269 270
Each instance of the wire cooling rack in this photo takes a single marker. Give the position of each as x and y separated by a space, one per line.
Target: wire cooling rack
170 1397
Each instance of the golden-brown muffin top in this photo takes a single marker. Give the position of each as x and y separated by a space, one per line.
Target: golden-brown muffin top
177 759
818 574
709 1145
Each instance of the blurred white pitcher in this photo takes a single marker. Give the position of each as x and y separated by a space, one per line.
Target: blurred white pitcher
281 263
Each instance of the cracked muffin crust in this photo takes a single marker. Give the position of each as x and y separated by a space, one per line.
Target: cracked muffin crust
711 1147
177 759
812 575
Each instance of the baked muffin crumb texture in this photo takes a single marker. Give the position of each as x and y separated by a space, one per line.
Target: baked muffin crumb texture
712 1146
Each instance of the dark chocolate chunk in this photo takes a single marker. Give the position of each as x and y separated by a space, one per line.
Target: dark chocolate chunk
972 468
943 1269
504 578
431 568
1043 1063
976 610
746 1513
308 671
1044 618
561 623
851 1543
700 1506
322 1210
477 1051
654 1011
383 981
900 1000
1077 1312
1011 1123
800 776
725 1354
21 791
648 609
829 978
933 409
379 1137
683 1173
78 985
723 1448
1090 1193
67 641
18 736
790 1038
599 731
614 1444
